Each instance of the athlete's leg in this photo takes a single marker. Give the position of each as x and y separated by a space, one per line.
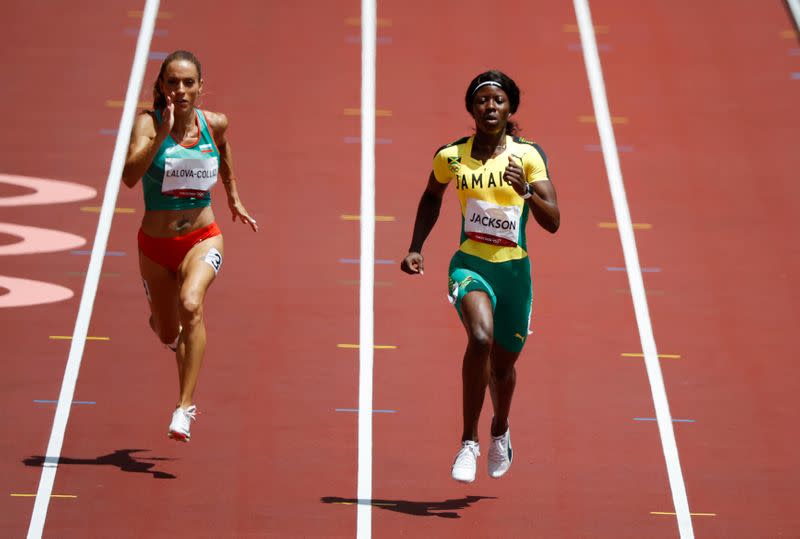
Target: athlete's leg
476 311
161 287
502 381
195 275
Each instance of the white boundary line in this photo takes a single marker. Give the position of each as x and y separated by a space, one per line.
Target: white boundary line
609 145
794 5
366 314
93 275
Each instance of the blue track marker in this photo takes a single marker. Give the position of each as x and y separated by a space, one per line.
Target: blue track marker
373 411
40 401
108 253
157 55
108 131
598 148
674 420
383 261
644 270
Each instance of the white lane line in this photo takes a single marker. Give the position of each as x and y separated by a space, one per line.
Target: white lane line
794 5
611 158
369 23
53 453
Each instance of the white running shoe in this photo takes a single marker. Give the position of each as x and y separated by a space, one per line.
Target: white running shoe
500 454
181 421
466 462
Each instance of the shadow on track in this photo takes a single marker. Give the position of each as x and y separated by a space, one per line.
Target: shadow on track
121 458
444 509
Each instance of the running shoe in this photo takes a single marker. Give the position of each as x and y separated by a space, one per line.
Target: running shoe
466 462
500 454
181 421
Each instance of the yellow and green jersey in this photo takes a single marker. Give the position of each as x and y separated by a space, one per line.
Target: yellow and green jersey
493 214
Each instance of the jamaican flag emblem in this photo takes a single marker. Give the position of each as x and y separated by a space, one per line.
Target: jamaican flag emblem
454 163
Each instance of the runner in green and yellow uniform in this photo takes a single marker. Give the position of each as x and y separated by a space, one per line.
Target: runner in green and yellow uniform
498 178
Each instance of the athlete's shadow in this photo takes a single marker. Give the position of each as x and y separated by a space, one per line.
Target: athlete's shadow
121 458
443 509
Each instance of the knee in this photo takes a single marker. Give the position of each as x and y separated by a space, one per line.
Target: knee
502 373
481 336
191 307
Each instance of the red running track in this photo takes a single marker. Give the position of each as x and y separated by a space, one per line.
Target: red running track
709 115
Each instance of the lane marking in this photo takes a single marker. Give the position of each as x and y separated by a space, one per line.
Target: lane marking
598 147
674 420
373 411
380 113
643 270
374 346
379 218
52 495
574 29
115 104
366 338
601 47
378 23
357 282
86 337
693 514
357 140
666 431
592 119
383 261
636 226
649 291
136 14
61 416
96 209
107 253
662 356
42 401
382 40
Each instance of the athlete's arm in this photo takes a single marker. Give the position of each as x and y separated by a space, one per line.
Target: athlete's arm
542 202
146 139
427 215
219 127
544 205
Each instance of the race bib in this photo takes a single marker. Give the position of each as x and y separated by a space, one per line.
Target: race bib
189 177
491 223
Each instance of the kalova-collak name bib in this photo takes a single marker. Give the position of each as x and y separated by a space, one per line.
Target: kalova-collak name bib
491 223
189 177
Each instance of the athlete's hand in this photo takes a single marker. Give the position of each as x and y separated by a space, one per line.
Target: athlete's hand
413 264
167 118
514 174
237 210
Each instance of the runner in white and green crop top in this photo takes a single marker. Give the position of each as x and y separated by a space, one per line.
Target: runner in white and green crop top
500 179
179 152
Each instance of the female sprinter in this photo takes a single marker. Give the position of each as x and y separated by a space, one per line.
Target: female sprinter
179 151
498 178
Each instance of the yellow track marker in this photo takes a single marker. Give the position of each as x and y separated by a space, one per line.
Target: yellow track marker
69 338
789 34
356 21
96 209
383 218
665 356
380 113
115 104
134 14
636 226
692 514
52 495
376 347
573 29
592 119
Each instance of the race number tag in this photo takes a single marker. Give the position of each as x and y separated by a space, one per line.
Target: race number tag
491 223
189 177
